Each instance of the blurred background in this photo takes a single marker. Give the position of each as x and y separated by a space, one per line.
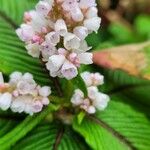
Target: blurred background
123 21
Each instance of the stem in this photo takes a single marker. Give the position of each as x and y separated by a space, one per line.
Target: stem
55 80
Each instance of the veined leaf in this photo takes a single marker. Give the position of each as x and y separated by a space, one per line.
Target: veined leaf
123 125
15 9
22 129
51 137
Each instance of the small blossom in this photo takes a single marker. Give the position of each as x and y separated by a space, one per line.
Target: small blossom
68 70
84 4
81 32
1 79
43 7
52 38
77 14
77 98
71 41
25 33
55 62
22 94
33 50
45 91
60 27
47 50
92 24
85 58
68 5
5 100
92 12
92 79
95 99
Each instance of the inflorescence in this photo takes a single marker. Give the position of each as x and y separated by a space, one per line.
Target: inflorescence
55 32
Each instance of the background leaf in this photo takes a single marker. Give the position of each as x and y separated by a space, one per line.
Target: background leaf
124 121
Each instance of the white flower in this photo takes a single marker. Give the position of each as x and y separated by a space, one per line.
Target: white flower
25 32
71 41
33 50
38 21
77 98
101 101
92 79
91 110
83 47
95 99
68 70
18 104
76 14
47 50
68 5
45 91
5 100
92 92
81 32
86 76
85 58
1 78
60 27
52 38
26 87
15 77
55 62
43 7
37 106
92 12
84 4
92 24
28 77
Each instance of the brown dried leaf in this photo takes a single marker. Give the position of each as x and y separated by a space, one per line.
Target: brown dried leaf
130 58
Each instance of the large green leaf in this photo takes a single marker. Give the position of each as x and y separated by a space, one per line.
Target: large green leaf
124 124
51 137
14 9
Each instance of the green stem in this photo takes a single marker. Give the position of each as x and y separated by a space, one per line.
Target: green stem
22 129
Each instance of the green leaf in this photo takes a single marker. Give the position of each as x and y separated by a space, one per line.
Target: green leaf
79 83
121 34
15 9
80 117
142 26
124 124
97 137
51 137
22 129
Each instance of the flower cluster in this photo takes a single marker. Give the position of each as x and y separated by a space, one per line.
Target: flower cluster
95 99
55 32
22 94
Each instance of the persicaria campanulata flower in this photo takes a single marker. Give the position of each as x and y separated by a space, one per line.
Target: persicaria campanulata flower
55 32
